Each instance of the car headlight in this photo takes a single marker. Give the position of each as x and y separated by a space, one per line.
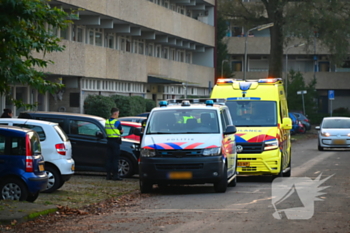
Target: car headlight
325 134
271 145
212 151
147 153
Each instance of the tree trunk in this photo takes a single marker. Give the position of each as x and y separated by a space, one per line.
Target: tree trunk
275 15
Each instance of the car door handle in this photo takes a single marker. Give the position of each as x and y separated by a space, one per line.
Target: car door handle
73 142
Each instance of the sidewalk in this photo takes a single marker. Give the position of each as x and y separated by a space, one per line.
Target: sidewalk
17 212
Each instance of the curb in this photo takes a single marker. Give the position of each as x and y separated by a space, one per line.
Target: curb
14 212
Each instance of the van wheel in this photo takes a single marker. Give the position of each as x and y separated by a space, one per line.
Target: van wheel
125 167
145 186
233 182
320 148
32 198
13 189
54 181
221 185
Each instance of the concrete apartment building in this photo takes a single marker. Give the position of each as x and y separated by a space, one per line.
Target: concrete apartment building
311 62
157 49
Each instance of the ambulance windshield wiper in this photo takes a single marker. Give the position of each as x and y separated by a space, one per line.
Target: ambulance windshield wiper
167 132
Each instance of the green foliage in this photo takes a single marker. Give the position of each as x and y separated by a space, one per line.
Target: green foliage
341 111
137 105
222 52
149 105
98 105
123 103
23 32
296 83
322 21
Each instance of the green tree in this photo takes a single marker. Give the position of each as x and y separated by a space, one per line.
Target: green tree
23 32
222 49
323 21
295 102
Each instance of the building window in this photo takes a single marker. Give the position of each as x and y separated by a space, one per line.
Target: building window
74 99
64 33
158 51
165 52
128 45
188 57
180 56
98 38
149 51
122 43
140 47
173 54
91 37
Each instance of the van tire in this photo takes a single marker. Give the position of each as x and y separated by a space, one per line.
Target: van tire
126 168
221 185
54 181
32 198
16 186
145 186
233 183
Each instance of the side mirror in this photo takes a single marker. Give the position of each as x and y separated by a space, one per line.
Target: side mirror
287 123
230 129
318 127
99 134
137 132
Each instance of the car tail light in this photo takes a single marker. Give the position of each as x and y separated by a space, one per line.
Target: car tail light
29 157
61 149
307 120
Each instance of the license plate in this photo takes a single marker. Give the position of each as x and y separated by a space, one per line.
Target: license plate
73 168
243 164
41 167
180 175
339 141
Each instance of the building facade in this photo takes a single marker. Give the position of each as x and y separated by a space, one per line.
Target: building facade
157 49
312 62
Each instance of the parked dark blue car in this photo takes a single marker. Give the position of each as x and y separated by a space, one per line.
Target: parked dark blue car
297 125
22 173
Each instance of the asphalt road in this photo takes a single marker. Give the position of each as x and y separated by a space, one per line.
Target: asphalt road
244 208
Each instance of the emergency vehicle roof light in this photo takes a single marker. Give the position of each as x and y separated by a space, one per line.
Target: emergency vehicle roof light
270 80
163 103
209 102
224 81
185 103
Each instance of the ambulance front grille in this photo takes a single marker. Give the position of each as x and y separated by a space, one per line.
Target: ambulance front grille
174 167
250 148
179 153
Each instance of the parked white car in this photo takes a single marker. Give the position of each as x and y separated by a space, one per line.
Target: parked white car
56 149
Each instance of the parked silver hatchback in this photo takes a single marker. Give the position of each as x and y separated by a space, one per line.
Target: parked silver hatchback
334 132
56 149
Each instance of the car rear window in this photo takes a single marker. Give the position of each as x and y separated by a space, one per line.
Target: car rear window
36 128
62 134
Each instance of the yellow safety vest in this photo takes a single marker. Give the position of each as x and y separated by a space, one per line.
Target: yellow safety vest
184 119
111 131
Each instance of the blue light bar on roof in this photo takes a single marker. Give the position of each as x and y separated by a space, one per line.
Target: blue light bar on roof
225 80
163 103
209 102
270 80
244 98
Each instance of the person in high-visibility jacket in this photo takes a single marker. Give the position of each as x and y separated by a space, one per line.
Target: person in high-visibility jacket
114 131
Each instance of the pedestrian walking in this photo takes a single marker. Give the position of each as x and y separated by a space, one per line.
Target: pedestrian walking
114 131
7 113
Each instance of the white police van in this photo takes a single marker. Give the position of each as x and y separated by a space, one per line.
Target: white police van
188 142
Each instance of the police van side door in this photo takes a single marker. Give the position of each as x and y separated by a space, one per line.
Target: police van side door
228 143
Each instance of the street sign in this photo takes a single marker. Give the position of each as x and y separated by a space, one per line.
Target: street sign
301 92
331 94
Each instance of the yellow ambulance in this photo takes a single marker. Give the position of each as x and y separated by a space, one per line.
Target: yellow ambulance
260 113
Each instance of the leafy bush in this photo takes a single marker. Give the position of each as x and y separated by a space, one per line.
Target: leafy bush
149 105
123 103
98 105
341 111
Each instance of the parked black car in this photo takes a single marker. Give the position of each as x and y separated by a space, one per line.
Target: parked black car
304 120
89 141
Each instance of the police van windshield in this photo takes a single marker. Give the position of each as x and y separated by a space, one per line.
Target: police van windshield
253 113
183 121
